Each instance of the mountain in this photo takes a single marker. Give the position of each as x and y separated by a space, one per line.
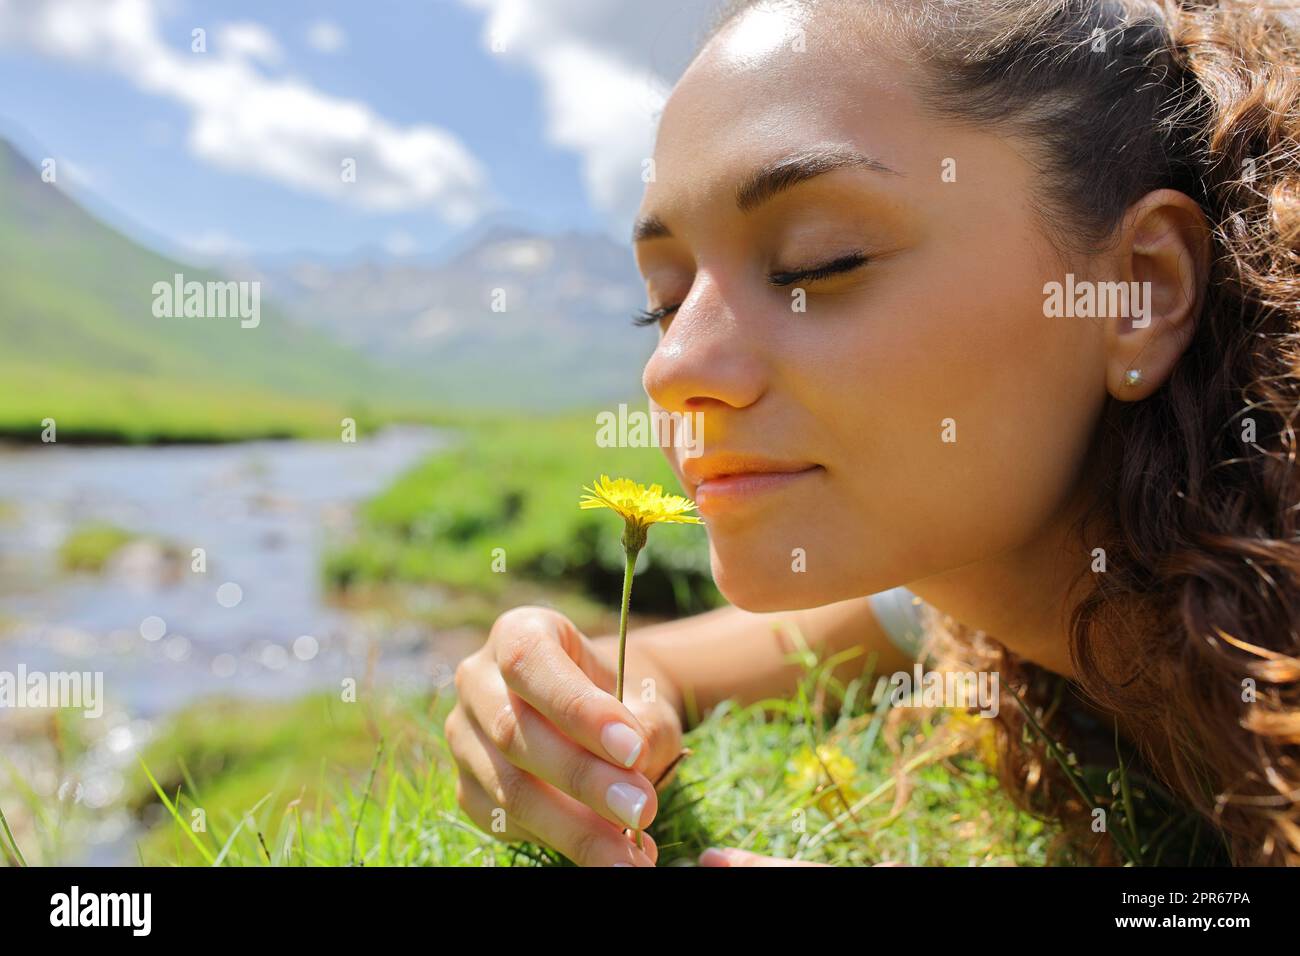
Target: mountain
82 343
563 336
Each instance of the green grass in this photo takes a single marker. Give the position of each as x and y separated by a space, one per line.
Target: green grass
320 782
90 547
122 408
117 407
508 492
514 485
324 783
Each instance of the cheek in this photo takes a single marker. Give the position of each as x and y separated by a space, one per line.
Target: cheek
962 414
671 453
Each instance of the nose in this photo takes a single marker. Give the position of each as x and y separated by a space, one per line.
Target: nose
707 356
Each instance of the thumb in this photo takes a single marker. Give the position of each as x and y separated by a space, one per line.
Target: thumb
646 698
663 730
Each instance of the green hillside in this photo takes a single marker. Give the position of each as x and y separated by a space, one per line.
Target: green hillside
81 343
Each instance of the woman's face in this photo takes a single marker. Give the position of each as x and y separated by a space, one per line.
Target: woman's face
920 413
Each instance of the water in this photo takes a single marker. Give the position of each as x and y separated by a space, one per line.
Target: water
255 623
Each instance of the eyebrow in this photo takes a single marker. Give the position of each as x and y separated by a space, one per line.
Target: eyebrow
764 183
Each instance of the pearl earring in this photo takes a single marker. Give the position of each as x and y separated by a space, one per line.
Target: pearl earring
1133 376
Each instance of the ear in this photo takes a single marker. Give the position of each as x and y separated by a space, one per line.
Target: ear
1163 253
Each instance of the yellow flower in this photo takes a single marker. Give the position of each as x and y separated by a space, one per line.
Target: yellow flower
807 773
979 731
638 505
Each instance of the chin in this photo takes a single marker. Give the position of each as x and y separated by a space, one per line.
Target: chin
758 588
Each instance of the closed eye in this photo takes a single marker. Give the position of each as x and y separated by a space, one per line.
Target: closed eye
644 317
845 263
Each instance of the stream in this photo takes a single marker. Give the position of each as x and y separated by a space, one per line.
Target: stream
251 621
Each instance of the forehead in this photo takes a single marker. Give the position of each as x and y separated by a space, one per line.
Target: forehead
769 84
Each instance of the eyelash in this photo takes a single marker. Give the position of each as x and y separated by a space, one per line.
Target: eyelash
642 317
846 263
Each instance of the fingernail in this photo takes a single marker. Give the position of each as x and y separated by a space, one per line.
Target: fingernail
621 742
627 802
714 857
622 863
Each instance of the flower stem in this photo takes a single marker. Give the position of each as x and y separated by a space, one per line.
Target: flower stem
631 553
622 618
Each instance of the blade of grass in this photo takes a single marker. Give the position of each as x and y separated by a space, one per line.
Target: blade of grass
230 840
162 795
198 797
1131 853
374 765
11 845
386 815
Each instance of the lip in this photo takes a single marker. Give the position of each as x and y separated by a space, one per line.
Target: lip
725 481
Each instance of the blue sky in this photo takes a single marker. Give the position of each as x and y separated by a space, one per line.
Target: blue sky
541 109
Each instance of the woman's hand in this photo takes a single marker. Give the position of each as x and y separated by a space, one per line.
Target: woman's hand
545 751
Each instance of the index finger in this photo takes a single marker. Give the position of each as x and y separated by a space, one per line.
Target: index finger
535 657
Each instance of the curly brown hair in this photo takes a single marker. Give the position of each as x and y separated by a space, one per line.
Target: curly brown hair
1190 640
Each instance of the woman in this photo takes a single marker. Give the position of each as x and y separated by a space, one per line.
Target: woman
999 301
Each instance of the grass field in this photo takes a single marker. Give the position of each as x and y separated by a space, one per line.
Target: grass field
321 782
124 408
508 492
120 407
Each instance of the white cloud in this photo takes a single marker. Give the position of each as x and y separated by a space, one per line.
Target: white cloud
606 69
215 245
326 36
607 114
250 40
244 120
